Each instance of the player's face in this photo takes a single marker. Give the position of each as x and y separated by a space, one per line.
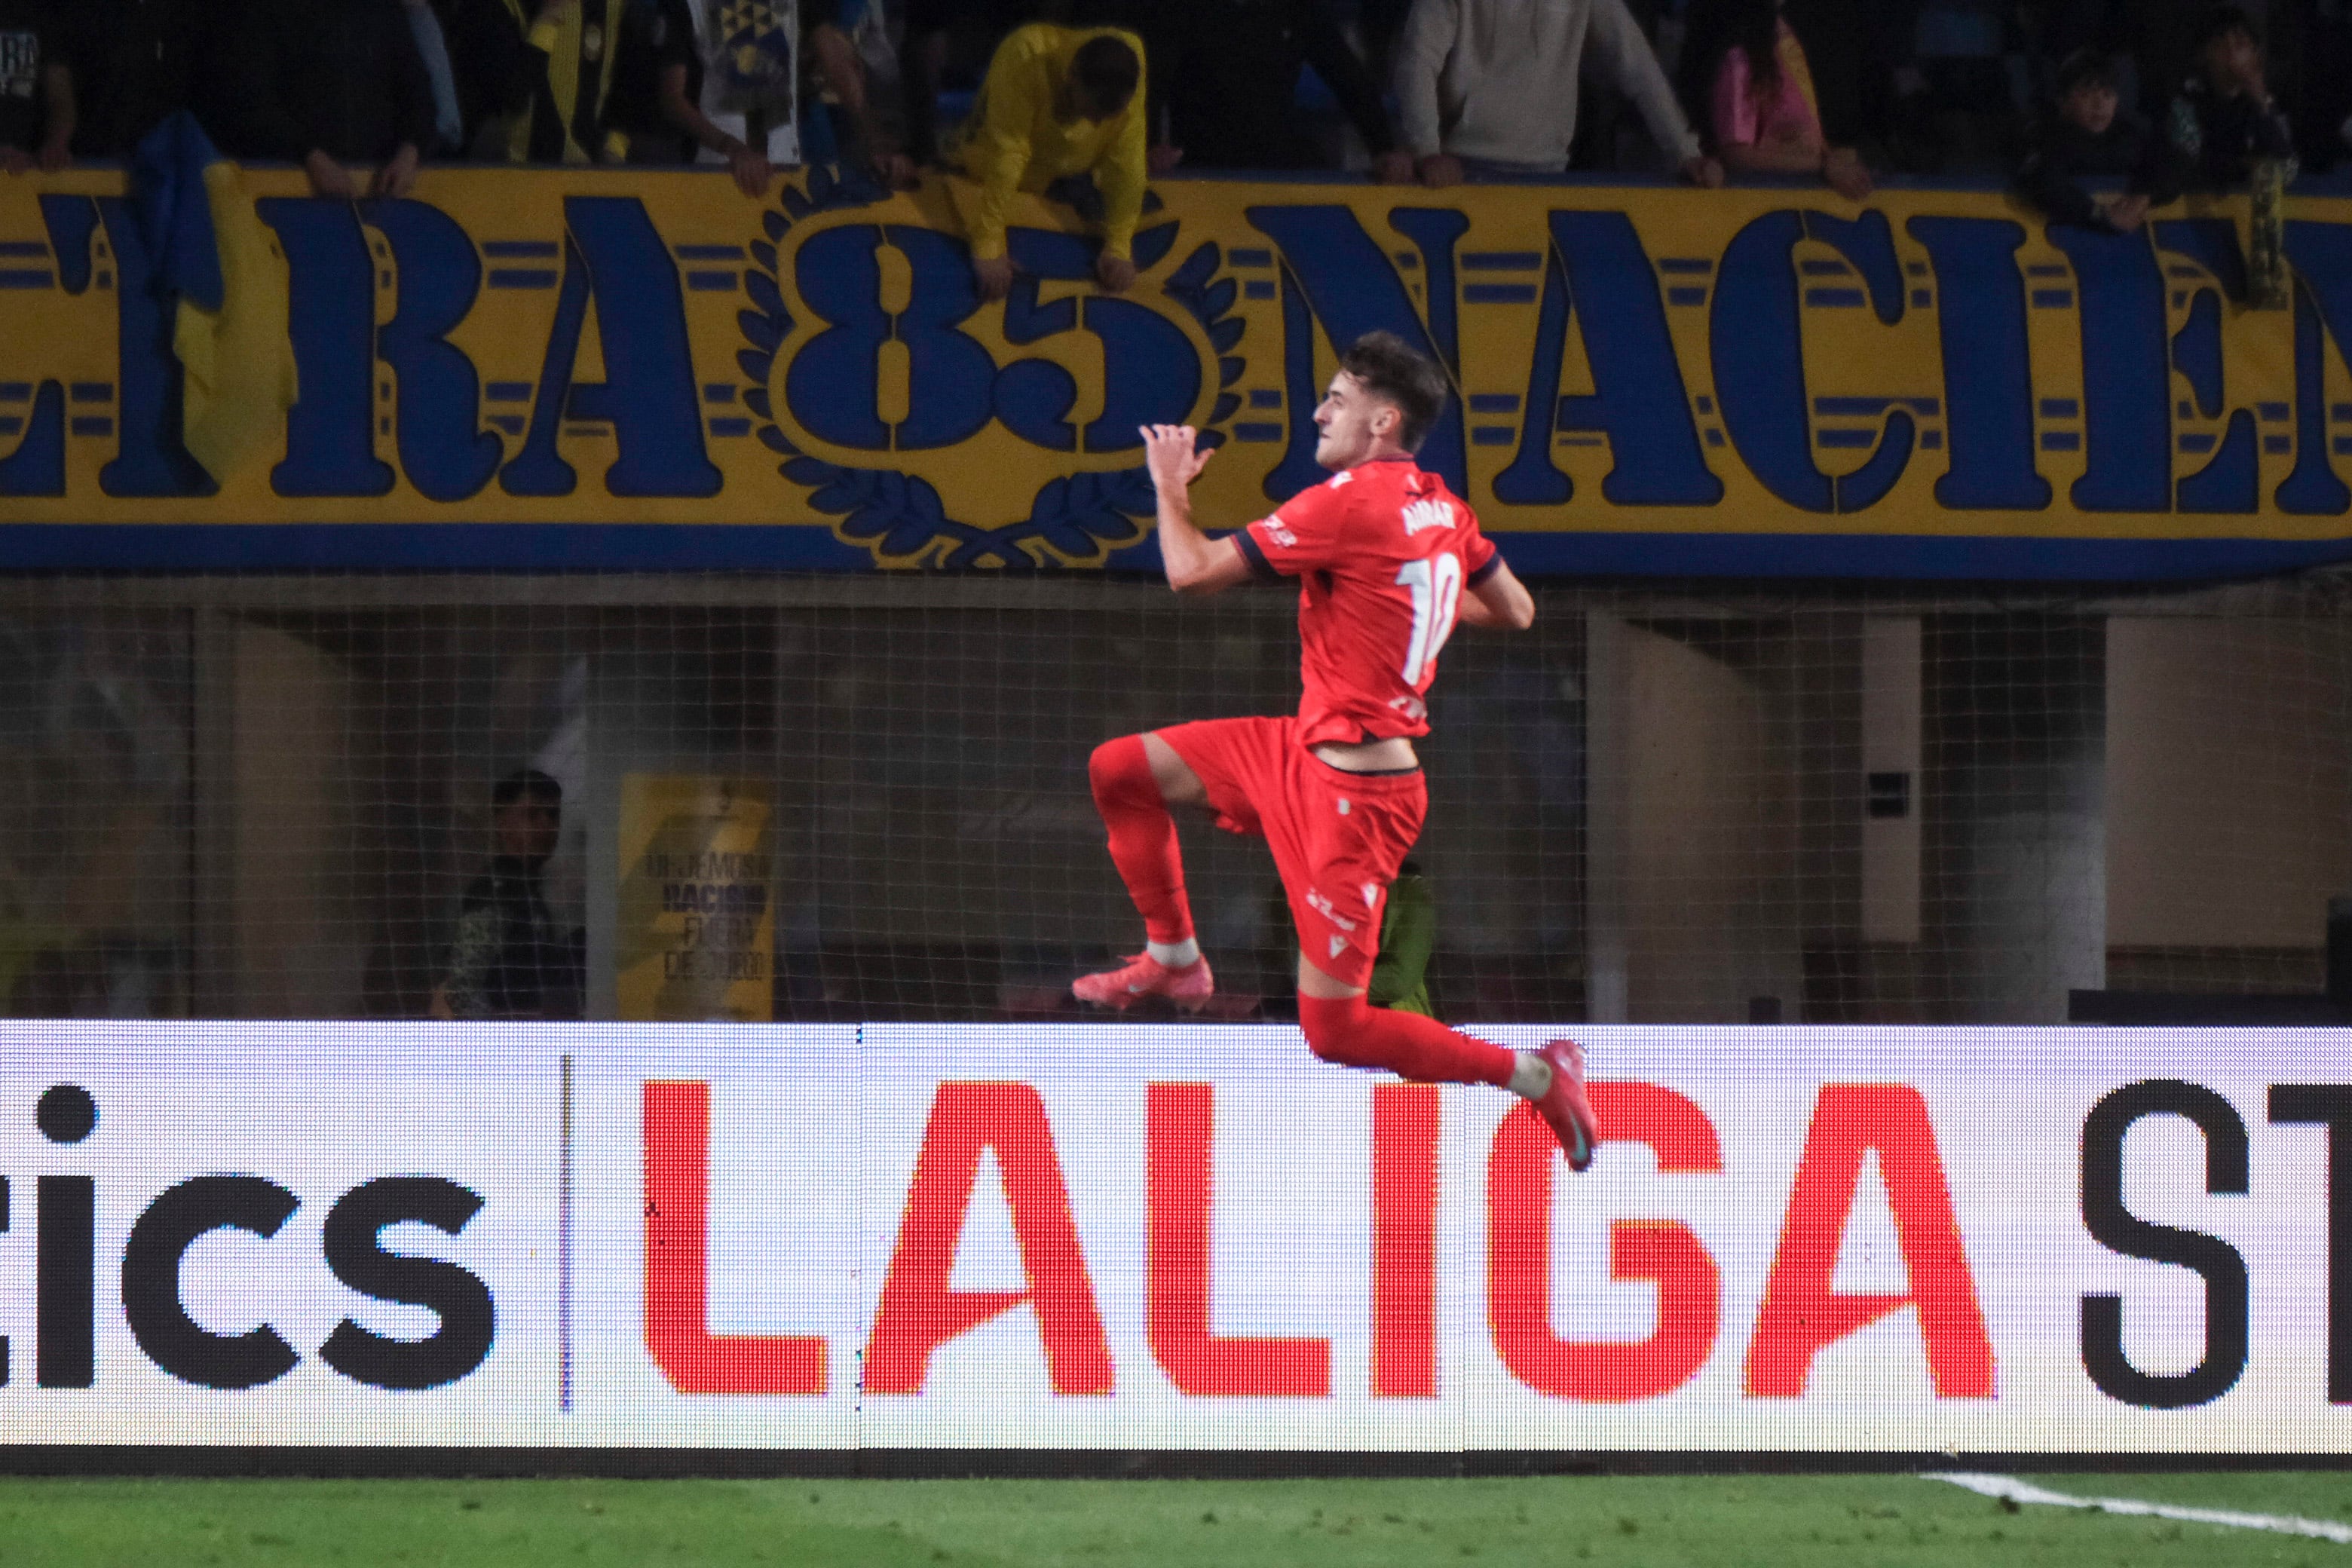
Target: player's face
1351 422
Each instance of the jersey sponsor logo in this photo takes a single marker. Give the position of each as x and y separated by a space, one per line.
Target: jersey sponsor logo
1423 514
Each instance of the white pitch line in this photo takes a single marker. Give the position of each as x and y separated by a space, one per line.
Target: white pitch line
2015 1490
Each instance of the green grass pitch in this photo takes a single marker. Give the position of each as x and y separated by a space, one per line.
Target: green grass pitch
1883 1522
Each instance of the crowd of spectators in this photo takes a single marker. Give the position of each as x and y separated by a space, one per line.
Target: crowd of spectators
2159 95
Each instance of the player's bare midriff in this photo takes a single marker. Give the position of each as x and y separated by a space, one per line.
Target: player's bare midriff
1392 756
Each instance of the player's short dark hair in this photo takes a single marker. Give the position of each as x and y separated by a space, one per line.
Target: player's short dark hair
2219 20
1106 72
2087 67
1396 373
543 789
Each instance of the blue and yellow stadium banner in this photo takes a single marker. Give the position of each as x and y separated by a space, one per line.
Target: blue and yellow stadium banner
594 369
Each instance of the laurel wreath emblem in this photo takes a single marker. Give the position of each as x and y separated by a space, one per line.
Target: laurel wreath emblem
1075 520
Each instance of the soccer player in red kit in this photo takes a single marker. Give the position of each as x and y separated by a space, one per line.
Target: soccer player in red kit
1386 560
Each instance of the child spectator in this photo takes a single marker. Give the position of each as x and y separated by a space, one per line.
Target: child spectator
1762 110
2089 137
36 98
2223 120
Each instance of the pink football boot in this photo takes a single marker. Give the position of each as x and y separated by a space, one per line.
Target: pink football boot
1118 989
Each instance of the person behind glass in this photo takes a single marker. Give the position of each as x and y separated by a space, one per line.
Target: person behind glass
328 84
36 90
1761 106
2088 136
507 959
2223 120
1060 106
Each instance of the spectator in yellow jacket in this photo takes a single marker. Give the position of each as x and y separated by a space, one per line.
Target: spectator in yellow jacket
1057 103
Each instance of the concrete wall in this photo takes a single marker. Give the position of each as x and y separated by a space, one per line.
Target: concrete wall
1695 858
300 932
2228 797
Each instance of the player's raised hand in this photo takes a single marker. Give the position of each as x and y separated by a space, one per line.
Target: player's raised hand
1170 456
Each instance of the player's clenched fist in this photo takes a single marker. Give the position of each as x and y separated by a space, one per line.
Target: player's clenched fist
1169 455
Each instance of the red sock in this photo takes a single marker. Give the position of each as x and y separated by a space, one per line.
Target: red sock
1353 1032
1143 837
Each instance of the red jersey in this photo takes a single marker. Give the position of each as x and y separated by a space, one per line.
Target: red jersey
1383 553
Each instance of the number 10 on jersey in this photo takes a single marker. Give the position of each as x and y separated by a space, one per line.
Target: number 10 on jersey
1435 585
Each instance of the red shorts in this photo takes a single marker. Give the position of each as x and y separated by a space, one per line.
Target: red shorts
1338 837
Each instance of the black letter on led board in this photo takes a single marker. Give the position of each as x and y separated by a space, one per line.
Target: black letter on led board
354 1247
2119 1231
2330 1105
151 1281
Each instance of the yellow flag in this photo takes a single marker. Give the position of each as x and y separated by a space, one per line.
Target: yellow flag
240 359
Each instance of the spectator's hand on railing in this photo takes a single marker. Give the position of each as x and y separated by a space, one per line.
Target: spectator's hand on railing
398 175
1115 273
330 179
1393 168
2124 213
1162 157
751 170
897 171
995 276
1843 170
1703 171
1440 169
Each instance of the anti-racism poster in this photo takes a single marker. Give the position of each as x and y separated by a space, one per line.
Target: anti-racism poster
696 907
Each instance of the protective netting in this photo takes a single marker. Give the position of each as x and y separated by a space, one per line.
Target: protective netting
266 796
